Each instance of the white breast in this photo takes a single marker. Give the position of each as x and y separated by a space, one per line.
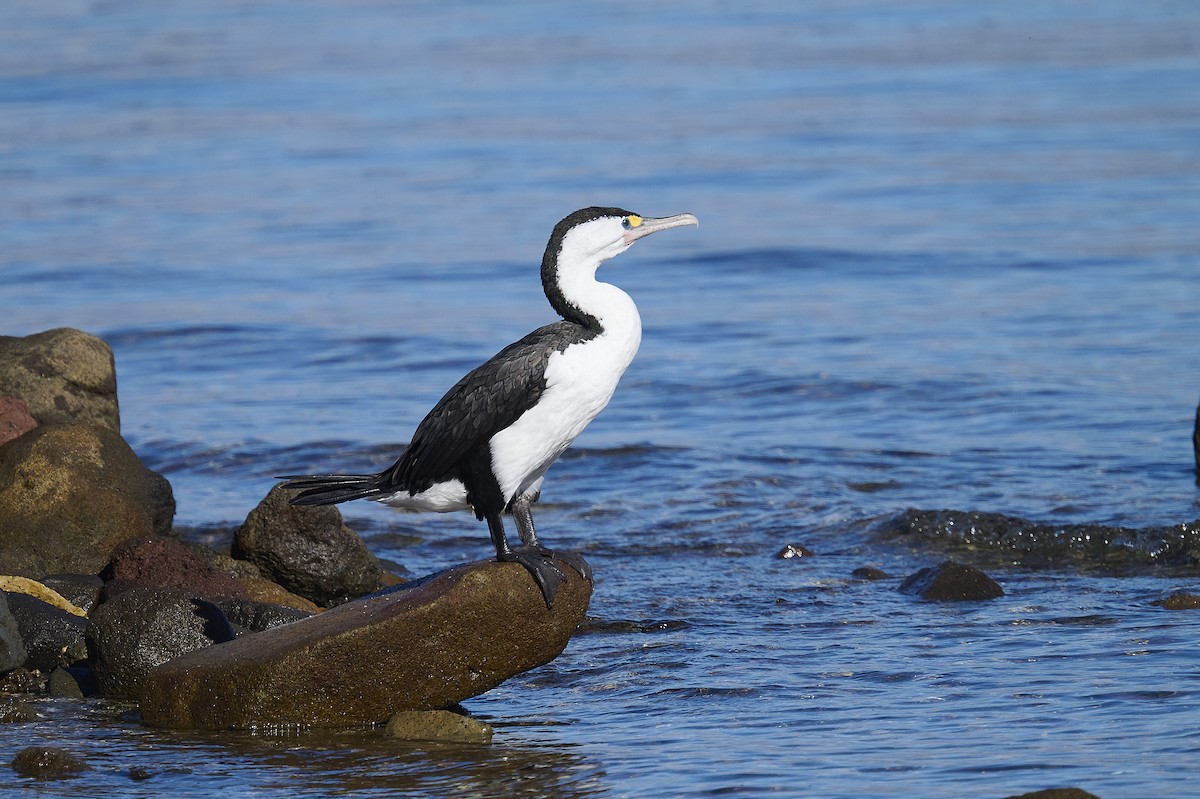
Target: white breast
580 381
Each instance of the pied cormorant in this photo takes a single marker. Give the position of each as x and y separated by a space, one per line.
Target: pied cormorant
488 442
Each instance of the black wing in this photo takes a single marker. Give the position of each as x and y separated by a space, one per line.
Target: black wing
485 401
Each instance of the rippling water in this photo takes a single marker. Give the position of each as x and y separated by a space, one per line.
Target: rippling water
947 259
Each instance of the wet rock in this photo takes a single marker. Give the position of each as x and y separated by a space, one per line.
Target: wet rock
307 550
951 581
12 648
15 420
52 636
23 585
438 725
425 645
249 616
47 762
14 711
143 627
23 681
81 590
169 563
63 375
1180 600
63 684
1057 793
794 551
69 494
1036 545
869 573
1196 444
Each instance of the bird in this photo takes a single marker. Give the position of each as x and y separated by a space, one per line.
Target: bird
487 444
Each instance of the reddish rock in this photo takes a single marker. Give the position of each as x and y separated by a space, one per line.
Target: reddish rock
173 564
425 645
15 420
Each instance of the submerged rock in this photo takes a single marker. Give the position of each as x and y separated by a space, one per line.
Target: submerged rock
143 627
869 573
1180 600
424 645
52 636
69 494
794 551
14 711
1057 793
950 581
307 550
1033 544
47 762
438 725
63 375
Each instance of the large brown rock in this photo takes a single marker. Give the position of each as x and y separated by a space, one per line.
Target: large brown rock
424 645
64 375
307 550
69 494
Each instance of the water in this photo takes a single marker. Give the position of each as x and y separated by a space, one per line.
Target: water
947 259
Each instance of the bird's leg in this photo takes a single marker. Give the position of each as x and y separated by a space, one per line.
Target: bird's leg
522 513
539 562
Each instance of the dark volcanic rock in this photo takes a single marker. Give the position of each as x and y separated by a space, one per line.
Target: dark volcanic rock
438 725
425 645
143 627
951 581
47 762
52 636
14 711
15 420
12 648
81 590
869 573
170 563
254 617
69 494
63 375
307 550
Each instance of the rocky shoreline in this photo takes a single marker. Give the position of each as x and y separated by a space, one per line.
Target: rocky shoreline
98 598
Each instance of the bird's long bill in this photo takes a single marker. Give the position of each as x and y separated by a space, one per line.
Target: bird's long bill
651 225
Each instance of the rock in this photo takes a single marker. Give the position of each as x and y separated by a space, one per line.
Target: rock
170 563
254 617
69 494
425 645
63 375
794 551
1196 443
1057 793
438 725
307 550
23 585
81 590
15 420
263 590
62 683
47 762
52 636
869 573
12 648
951 581
1179 601
23 681
14 711
143 627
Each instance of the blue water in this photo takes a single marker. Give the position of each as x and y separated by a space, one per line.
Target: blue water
947 259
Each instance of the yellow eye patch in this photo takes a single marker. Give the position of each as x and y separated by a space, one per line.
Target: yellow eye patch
634 220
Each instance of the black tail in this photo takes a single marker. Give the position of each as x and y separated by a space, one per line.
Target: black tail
330 489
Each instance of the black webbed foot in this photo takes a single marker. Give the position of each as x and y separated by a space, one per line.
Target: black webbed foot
540 563
576 562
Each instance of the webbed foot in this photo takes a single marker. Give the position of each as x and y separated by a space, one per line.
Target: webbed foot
541 563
